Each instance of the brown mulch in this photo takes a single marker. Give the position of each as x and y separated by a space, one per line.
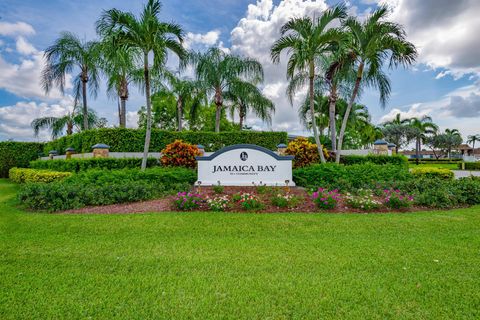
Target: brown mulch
305 205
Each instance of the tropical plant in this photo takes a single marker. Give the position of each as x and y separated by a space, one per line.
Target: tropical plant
70 121
147 35
473 139
164 112
371 43
452 139
65 55
422 127
305 39
220 72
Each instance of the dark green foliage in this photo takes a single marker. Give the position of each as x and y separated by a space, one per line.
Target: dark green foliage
470 166
77 165
375 159
101 187
17 154
349 178
436 161
132 140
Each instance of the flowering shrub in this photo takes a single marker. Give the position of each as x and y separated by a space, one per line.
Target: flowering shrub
284 200
218 188
187 201
394 199
304 151
364 200
325 199
180 154
218 203
249 201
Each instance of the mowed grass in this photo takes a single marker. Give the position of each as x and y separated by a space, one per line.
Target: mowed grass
238 266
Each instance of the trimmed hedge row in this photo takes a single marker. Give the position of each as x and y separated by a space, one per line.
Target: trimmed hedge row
17 154
77 165
470 166
444 174
26 175
436 161
375 159
132 140
101 187
348 178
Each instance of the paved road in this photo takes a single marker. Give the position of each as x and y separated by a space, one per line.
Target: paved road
464 173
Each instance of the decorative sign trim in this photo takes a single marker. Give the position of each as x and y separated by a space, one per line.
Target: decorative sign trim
244 146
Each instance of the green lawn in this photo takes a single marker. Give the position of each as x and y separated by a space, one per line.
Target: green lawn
238 266
451 166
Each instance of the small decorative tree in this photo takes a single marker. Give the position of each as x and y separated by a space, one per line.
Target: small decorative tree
180 154
304 151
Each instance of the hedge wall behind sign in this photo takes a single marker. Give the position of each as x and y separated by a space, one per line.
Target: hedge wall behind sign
132 140
17 154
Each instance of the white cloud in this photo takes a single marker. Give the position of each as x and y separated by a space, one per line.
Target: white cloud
17 28
132 119
24 47
207 39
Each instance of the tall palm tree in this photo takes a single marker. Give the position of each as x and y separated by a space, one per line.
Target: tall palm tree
118 64
245 96
373 42
68 122
305 39
397 121
453 138
67 54
423 127
473 139
219 71
148 35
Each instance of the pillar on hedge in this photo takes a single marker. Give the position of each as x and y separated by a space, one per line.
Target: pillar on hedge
281 149
380 147
52 153
391 147
69 152
100 150
201 149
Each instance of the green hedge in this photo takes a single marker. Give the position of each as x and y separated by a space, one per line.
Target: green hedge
132 140
470 166
77 165
375 159
436 161
26 175
439 173
348 178
17 154
101 187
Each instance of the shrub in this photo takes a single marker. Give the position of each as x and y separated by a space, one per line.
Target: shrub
218 188
395 199
180 154
250 202
325 199
375 159
77 165
284 200
468 190
187 201
218 203
444 174
305 152
433 160
132 140
364 201
22 175
17 154
470 166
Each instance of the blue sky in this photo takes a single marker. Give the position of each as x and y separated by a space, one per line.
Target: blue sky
443 84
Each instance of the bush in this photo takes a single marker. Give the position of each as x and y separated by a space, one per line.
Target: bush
395 199
468 189
437 161
325 199
187 201
470 166
284 200
364 201
77 165
180 154
350 178
219 203
101 187
23 175
375 159
250 202
17 154
444 174
132 140
305 152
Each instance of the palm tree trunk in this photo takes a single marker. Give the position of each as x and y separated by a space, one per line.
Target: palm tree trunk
347 112
85 108
218 111
119 110
123 112
242 115
312 114
69 128
417 151
179 113
331 113
148 132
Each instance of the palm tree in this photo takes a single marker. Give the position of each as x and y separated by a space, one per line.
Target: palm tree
372 42
397 121
306 39
245 96
69 53
147 35
219 72
473 139
69 121
423 127
119 67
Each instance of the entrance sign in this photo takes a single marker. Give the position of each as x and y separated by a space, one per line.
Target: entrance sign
245 165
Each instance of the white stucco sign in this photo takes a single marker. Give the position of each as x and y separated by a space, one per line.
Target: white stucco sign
245 165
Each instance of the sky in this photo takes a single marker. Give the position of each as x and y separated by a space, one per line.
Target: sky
444 82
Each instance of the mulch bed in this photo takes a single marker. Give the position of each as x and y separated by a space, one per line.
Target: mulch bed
305 205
